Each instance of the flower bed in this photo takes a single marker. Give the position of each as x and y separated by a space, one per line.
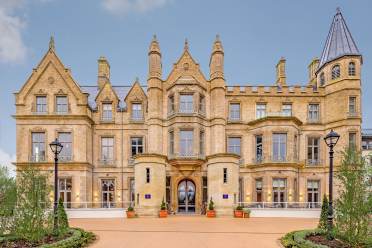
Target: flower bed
75 237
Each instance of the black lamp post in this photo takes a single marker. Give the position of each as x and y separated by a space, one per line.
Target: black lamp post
56 147
331 140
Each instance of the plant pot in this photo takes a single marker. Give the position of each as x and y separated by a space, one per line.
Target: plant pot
246 215
238 213
163 213
131 214
211 213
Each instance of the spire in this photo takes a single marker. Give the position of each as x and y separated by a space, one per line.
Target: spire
51 43
154 59
216 62
154 46
339 41
217 45
186 47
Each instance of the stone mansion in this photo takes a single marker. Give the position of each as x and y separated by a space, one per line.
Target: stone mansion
188 137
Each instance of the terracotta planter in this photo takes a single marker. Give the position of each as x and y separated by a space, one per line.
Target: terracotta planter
131 214
246 215
163 213
211 213
238 213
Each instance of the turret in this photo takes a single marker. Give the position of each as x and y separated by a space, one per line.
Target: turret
103 72
312 67
216 60
154 59
280 72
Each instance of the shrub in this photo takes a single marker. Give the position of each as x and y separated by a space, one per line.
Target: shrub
324 214
62 218
130 208
79 238
297 239
239 208
8 199
353 208
163 205
211 205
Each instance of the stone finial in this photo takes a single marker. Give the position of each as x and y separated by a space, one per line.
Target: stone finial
217 45
51 43
136 80
338 10
186 47
154 45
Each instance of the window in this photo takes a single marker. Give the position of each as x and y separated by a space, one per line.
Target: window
106 111
352 140
224 175
313 151
295 145
168 190
279 147
171 107
234 112
66 140
241 190
38 147
137 111
65 188
108 193
147 175
351 69
259 190
136 145
313 193
313 114
61 104
335 72
171 142
205 190
201 143
107 149
186 143
233 145
352 104
259 151
322 79
41 104
202 104
186 104
132 194
260 110
287 109
279 191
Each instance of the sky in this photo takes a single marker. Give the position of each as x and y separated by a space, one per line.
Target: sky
254 34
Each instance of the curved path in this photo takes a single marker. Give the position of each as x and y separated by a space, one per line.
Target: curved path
191 231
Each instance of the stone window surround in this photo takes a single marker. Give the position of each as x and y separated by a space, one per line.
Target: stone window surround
196 138
130 143
349 69
241 143
229 108
142 110
196 101
38 130
55 102
46 100
286 142
100 146
319 111
112 111
356 103
260 103
335 77
312 178
98 198
320 147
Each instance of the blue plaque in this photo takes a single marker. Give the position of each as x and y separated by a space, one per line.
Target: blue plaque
147 196
225 196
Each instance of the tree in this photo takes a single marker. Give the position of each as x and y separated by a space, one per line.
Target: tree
353 208
62 218
7 201
324 214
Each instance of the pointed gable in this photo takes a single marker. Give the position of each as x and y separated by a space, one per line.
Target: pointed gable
339 41
107 94
135 94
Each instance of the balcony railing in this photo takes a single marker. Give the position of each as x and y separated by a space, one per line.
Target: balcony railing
293 205
40 113
106 162
313 120
186 156
274 159
193 112
65 158
313 162
37 158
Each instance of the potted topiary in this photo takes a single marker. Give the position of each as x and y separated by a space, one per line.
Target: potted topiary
246 213
130 212
238 212
211 213
163 213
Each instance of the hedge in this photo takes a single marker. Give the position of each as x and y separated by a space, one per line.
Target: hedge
297 239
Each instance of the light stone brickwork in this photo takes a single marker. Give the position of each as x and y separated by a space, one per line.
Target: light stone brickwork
155 113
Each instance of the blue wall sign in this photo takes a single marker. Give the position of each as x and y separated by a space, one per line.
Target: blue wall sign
147 196
225 196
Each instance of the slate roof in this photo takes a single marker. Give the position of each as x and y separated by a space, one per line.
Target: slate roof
367 132
339 41
121 91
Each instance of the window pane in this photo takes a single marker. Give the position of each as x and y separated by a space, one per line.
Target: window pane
62 106
352 104
38 146
107 146
234 111
186 143
287 109
136 145
260 110
137 111
66 140
279 147
41 104
186 104
233 145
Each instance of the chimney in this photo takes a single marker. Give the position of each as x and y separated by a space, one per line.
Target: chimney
280 72
103 72
312 68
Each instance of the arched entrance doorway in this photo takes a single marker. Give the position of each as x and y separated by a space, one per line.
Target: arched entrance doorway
186 196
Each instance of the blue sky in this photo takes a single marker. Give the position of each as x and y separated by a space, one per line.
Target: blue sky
255 34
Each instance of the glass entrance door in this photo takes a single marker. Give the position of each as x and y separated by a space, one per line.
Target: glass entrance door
108 190
186 196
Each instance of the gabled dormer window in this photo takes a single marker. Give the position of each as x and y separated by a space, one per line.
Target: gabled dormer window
107 111
351 69
61 105
41 104
137 113
336 72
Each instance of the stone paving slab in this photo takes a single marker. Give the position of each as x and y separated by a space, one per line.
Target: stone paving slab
191 231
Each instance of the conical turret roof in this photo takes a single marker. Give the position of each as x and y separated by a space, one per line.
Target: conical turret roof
339 41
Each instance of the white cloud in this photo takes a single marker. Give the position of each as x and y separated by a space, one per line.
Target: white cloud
122 7
6 160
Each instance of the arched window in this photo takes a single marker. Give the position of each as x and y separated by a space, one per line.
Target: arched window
351 69
322 79
335 71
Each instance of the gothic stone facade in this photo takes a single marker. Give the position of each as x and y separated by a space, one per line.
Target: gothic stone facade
187 138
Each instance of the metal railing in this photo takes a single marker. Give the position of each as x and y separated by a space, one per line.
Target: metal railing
281 205
99 205
274 159
37 158
186 156
106 161
313 162
65 158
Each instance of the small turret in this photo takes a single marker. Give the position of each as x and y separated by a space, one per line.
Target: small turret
216 60
280 72
103 71
155 67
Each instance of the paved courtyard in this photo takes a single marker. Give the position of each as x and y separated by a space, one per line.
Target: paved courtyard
191 231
